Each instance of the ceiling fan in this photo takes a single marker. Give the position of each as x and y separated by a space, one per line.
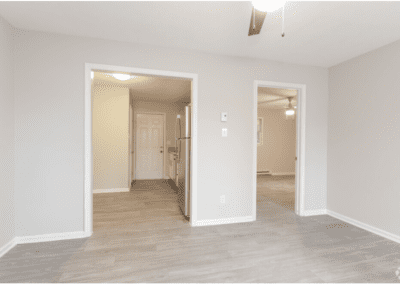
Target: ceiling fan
259 12
290 110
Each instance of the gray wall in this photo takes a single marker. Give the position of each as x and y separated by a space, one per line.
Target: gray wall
7 212
363 142
50 112
278 150
110 140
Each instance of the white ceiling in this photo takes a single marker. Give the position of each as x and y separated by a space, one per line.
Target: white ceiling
274 98
317 33
149 87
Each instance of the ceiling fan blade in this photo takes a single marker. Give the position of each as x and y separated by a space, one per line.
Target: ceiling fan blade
259 21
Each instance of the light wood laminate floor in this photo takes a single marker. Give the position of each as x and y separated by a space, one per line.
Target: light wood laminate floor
141 236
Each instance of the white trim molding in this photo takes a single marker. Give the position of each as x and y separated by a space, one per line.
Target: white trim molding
314 212
88 153
109 190
224 221
52 237
42 238
300 143
261 130
284 174
364 226
8 246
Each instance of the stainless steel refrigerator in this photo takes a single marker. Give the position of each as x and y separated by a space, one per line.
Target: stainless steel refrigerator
183 140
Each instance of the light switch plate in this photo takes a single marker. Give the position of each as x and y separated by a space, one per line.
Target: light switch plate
224 132
224 116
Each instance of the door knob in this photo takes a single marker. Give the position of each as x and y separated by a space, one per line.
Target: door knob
160 151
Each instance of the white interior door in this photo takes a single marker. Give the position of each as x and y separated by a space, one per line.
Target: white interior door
149 146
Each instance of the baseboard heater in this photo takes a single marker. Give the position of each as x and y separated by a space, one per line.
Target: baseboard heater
267 172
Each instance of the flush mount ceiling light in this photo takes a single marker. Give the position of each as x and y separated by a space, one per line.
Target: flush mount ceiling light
121 77
260 10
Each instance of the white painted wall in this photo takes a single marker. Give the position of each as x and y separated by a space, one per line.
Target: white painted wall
278 150
7 140
110 110
364 138
50 111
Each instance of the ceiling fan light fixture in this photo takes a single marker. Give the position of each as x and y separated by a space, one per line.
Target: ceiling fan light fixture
268 5
290 112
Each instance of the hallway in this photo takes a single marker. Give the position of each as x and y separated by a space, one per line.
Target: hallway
150 201
141 236
277 189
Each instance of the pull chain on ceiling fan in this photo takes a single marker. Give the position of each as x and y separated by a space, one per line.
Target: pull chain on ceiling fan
283 19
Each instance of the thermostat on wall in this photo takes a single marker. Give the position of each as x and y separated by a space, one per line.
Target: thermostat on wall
224 116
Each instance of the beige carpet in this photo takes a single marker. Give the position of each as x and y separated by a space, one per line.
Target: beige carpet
277 189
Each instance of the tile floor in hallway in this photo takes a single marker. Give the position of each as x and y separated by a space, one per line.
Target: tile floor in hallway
141 236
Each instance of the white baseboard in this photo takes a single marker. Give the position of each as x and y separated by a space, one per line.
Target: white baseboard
108 190
284 174
366 227
223 221
8 246
52 237
42 238
314 212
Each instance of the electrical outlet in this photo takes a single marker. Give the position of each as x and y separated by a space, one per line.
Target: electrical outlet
222 198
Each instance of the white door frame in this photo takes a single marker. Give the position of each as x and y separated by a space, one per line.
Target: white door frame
300 142
164 115
88 153
130 143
